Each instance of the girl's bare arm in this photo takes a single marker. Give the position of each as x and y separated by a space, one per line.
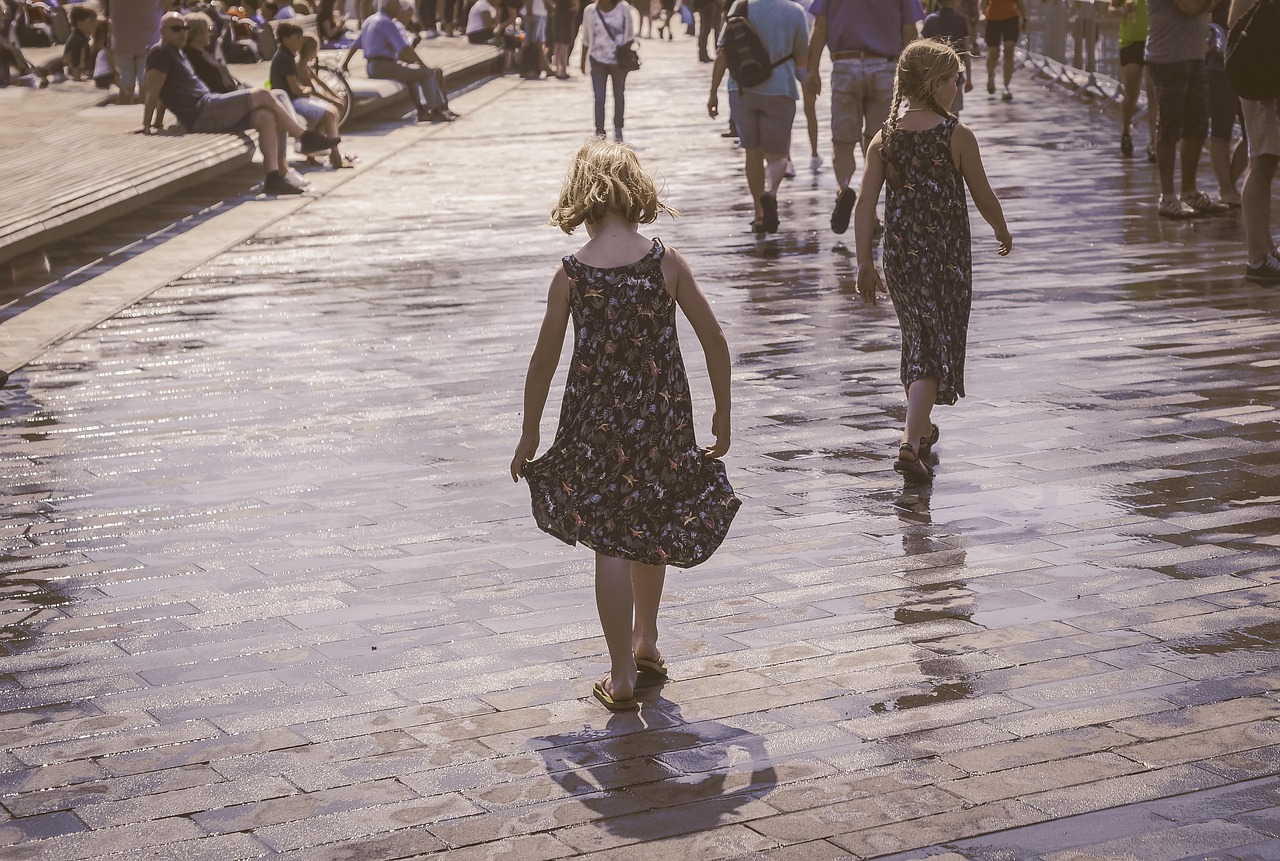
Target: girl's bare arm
542 367
975 177
864 220
684 288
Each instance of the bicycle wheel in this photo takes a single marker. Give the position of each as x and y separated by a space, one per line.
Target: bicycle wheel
334 79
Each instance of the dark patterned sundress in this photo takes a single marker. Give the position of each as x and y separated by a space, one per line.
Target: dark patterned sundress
624 475
927 256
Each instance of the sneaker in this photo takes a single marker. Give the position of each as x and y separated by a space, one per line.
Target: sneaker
769 203
292 177
1006 95
451 114
815 163
433 33
1266 273
1172 207
313 141
275 184
1203 204
1126 145
844 209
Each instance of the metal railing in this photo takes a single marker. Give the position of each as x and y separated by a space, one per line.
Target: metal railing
1075 43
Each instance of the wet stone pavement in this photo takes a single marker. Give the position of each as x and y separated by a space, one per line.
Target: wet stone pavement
267 591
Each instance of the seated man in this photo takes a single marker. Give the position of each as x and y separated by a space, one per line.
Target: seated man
171 80
386 49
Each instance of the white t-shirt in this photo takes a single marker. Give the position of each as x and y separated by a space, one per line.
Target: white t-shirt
475 18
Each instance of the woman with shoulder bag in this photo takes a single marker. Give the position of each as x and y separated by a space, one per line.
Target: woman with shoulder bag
608 32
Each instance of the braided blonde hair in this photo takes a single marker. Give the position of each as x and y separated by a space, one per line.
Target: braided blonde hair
921 65
607 176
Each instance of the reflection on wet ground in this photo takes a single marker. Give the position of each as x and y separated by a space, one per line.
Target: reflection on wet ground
266 591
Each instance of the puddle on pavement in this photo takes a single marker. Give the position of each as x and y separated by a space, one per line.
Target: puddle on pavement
944 692
1265 636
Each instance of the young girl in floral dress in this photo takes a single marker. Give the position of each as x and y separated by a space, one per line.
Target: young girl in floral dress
624 475
927 157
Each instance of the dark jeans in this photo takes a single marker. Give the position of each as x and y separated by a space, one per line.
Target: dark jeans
600 73
708 24
450 16
426 12
1182 100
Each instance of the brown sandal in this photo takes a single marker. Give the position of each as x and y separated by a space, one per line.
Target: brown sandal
910 467
928 442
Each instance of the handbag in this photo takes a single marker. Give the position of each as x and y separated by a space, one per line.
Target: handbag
628 58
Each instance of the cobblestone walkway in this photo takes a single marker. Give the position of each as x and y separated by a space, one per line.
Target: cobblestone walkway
267 592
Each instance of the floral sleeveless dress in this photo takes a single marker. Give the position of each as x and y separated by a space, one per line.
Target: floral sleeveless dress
624 475
927 256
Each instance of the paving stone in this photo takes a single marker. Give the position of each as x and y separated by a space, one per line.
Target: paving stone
1037 749
1205 745
1168 844
269 500
87 786
938 828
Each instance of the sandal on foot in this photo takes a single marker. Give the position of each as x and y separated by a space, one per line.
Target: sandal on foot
610 702
656 668
928 442
910 467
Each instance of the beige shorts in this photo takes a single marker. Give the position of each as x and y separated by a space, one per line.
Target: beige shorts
1262 125
861 92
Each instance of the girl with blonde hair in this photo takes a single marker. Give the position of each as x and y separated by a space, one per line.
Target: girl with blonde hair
624 476
927 157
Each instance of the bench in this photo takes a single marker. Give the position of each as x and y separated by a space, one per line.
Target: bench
94 165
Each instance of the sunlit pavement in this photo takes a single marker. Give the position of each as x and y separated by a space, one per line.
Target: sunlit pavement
268 591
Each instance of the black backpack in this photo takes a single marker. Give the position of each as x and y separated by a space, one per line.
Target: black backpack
1253 61
745 52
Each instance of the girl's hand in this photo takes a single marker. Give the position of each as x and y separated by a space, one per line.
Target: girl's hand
720 430
525 450
1005 238
869 283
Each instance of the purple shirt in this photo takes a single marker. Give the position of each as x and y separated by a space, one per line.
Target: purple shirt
135 26
874 26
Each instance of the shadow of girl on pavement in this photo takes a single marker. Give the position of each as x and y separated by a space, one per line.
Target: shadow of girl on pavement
646 777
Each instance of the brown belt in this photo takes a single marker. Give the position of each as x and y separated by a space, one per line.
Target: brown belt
861 55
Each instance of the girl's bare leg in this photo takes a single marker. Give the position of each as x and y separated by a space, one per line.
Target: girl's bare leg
921 395
615 603
646 588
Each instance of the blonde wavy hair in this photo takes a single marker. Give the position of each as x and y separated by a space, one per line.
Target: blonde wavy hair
607 176
921 66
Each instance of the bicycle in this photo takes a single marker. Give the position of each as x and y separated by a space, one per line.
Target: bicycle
332 78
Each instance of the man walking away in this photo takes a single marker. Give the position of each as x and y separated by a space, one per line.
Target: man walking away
865 38
766 111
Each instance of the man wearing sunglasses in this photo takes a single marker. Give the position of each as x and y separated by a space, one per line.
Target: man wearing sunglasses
171 80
